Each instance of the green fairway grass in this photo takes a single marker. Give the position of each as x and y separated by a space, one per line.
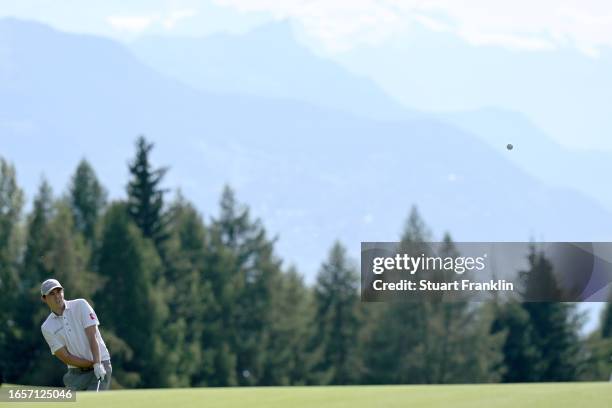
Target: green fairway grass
583 395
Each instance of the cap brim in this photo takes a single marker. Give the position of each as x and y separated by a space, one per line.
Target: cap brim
49 291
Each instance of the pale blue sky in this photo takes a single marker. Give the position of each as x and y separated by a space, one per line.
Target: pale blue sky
123 20
340 25
374 38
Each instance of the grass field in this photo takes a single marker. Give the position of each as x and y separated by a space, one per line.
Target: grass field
582 395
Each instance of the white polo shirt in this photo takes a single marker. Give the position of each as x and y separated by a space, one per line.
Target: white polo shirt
69 330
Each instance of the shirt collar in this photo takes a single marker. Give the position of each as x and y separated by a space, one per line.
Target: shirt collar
66 307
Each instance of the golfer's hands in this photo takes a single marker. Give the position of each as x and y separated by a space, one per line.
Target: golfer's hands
99 371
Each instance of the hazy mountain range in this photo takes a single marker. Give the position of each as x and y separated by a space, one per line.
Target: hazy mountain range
315 168
267 61
270 62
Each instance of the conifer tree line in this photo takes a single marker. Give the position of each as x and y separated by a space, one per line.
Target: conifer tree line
188 302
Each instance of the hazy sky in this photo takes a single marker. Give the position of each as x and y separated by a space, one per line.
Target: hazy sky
561 48
341 24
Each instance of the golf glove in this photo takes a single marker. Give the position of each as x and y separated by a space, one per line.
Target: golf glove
99 371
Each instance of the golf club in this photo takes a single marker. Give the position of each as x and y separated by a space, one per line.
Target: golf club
98 387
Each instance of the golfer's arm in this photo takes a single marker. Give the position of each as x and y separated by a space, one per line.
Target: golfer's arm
69 359
90 332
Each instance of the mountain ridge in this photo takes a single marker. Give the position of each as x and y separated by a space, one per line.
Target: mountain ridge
312 174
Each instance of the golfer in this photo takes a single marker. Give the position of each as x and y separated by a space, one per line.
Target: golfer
71 330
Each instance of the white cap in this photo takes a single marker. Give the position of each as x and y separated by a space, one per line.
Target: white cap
48 285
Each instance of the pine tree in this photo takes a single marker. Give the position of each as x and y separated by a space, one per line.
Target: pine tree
87 199
397 346
145 196
461 347
36 267
293 352
556 330
555 324
219 361
69 257
243 273
11 202
539 282
522 360
338 317
606 322
38 246
131 302
189 293
597 353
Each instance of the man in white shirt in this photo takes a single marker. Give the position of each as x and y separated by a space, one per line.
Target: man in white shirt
71 330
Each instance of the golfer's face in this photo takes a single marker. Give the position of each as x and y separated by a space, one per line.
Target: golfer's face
55 298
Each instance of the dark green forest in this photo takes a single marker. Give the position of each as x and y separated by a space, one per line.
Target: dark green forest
185 301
